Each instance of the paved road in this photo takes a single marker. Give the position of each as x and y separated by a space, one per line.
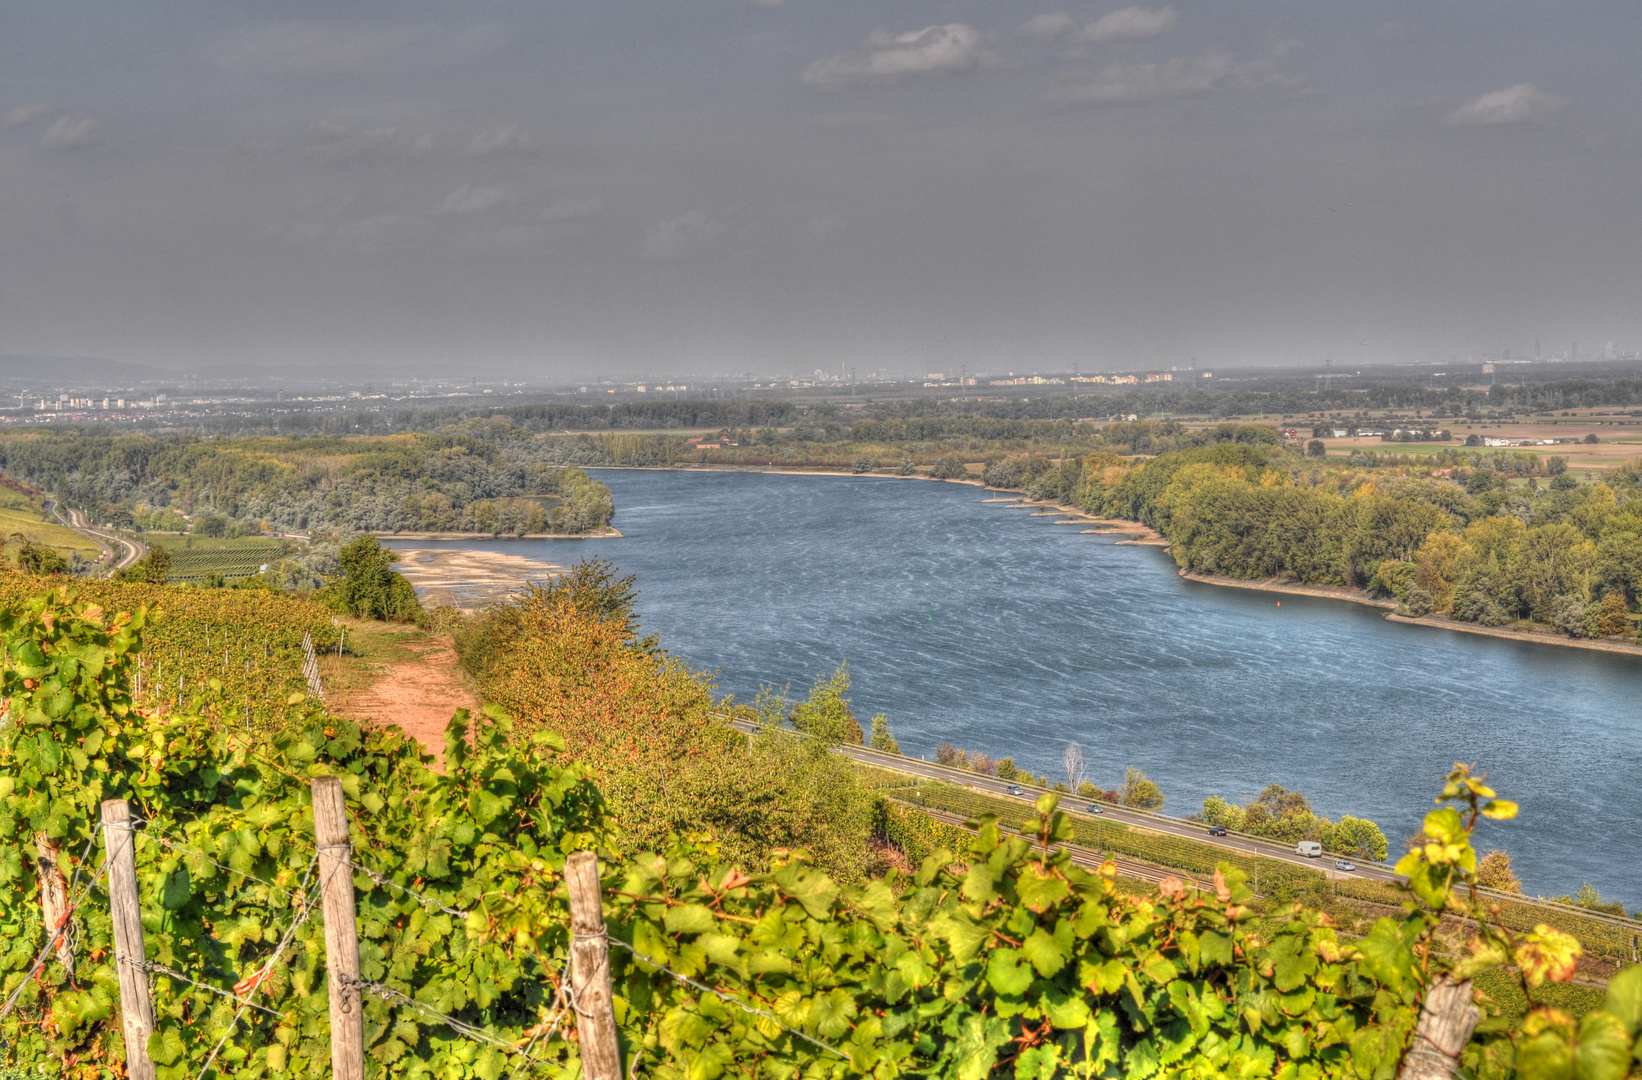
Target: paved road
1191 830
131 550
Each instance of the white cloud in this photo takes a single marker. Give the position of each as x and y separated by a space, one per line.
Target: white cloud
25 114
886 56
1127 24
680 236
477 198
1215 70
1047 27
66 131
1513 105
507 137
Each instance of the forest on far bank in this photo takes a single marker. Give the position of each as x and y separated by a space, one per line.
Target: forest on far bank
1498 539
477 481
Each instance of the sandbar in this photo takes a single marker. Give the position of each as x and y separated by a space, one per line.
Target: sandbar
466 579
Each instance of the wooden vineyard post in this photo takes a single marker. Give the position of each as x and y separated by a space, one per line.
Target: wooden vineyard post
1447 1020
54 899
590 970
136 1010
341 933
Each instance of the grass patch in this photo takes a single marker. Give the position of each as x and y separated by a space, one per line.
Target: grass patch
21 514
369 650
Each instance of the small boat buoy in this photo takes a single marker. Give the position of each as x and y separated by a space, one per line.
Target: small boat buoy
1279 603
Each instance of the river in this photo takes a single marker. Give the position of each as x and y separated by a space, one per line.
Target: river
981 625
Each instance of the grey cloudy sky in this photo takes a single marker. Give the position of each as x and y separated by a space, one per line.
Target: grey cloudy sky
572 188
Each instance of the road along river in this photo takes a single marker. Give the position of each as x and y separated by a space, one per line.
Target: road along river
982 625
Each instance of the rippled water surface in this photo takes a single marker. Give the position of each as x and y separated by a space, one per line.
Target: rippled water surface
970 622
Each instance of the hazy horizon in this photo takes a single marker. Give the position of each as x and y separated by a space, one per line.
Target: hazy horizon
615 190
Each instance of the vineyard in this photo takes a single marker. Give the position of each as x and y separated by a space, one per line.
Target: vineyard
195 558
248 641
1350 900
996 958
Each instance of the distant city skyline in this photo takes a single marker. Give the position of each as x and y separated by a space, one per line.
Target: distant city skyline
779 186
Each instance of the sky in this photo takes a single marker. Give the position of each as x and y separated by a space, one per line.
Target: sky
574 190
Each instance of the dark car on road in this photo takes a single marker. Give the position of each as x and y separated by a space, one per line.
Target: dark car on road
1217 830
1093 808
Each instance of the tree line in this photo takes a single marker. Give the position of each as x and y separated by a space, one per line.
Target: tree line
1477 540
487 479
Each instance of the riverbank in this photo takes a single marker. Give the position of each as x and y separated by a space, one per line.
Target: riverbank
607 533
1536 636
1294 588
466 579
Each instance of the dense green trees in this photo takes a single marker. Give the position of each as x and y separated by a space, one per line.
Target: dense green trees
1471 541
483 478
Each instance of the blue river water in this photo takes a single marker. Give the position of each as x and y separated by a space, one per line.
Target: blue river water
981 625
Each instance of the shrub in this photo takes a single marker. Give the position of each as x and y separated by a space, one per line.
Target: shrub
1139 791
1494 872
210 525
1609 617
1417 604
35 558
1569 615
369 588
882 739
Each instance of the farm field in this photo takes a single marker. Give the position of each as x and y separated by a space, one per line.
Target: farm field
193 558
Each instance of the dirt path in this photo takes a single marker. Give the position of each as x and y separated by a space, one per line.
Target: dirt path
416 684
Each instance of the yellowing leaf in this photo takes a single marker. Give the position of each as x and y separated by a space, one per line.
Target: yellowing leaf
1547 955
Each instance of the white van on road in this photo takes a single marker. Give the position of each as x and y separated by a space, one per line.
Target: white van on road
1311 849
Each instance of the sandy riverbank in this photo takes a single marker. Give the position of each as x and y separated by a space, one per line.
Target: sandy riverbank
605 533
466 579
1294 588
